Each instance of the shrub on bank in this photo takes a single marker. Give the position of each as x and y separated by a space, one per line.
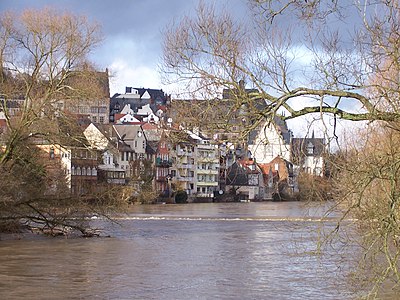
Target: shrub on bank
181 197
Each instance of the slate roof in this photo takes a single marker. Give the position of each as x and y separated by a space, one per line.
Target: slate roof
281 127
238 173
157 98
300 145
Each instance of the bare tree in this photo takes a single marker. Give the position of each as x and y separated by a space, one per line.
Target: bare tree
367 191
299 58
298 67
44 68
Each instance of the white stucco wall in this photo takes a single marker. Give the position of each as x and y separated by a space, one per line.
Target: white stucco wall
314 165
268 145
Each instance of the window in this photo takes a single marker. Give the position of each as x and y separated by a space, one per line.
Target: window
310 148
101 119
94 119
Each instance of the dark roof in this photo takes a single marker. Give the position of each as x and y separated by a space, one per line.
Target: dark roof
157 97
300 147
232 93
151 147
281 127
236 175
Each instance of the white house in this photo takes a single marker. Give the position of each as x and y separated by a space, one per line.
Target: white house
98 140
131 145
308 154
127 110
271 139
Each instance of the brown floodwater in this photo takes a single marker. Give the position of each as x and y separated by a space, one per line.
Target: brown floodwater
197 251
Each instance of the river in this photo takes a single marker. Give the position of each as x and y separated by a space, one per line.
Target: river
195 251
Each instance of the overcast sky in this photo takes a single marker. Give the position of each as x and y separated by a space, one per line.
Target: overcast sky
133 33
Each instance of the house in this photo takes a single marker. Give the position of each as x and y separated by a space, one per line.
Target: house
244 180
137 98
308 155
84 166
280 178
94 102
99 139
12 106
207 164
131 146
271 181
270 139
56 160
183 167
163 164
195 166
79 166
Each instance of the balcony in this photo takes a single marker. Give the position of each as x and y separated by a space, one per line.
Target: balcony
208 171
163 163
207 183
185 166
184 153
185 179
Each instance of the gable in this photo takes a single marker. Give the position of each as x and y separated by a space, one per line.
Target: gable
300 147
127 110
145 110
127 119
146 95
95 137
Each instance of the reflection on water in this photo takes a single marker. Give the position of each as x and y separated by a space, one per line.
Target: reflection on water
199 251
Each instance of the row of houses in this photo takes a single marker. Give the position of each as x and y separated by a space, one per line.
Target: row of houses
131 139
131 154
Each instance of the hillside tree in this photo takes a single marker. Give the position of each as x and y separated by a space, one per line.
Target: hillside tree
44 66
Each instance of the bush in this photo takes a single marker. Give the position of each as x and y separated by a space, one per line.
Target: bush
181 197
314 188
